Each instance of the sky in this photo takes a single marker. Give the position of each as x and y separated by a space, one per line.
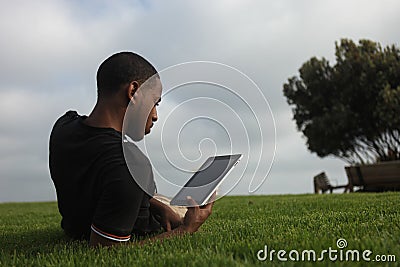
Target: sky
50 52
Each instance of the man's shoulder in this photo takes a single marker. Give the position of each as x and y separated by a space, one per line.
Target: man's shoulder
69 116
71 123
71 136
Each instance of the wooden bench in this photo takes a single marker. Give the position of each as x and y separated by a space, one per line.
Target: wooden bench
383 176
321 183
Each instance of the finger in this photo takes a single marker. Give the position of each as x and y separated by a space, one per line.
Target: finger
210 201
213 197
192 202
208 206
193 207
168 226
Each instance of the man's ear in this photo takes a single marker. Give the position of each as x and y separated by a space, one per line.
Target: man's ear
132 89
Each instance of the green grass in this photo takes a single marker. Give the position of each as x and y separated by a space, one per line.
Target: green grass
30 234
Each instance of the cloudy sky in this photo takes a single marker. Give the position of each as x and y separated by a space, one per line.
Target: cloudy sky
50 51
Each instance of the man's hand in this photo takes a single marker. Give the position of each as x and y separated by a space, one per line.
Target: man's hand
196 215
168 218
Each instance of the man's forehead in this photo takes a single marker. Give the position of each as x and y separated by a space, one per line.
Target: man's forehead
152 84
158 87
156 92
159 83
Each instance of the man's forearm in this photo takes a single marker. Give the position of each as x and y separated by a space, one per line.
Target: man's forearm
156 207
96 240
179 231
194 218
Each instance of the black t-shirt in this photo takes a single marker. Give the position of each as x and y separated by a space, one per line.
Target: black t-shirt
95 189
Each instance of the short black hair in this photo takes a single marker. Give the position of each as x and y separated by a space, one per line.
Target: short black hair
122 68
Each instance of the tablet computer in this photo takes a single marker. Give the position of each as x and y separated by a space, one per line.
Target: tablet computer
206 180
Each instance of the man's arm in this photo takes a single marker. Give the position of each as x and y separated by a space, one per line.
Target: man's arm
194 218
168 218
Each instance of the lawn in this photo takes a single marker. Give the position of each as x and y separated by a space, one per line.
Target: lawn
239 227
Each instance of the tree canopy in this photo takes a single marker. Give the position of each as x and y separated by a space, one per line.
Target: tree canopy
351 109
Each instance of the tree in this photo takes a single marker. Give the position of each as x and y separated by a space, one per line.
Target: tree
350 110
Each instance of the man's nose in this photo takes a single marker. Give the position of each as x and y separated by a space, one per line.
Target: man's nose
155 116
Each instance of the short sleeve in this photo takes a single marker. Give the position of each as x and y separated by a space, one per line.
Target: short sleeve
119 205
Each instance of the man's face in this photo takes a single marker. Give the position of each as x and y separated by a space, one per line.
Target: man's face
141 112
156 97
151 119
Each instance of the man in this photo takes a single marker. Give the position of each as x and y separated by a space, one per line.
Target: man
97 196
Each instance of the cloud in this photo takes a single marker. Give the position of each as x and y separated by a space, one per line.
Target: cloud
51 51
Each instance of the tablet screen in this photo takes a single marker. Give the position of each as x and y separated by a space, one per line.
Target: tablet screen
203 183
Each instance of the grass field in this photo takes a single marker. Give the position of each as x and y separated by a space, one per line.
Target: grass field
238 228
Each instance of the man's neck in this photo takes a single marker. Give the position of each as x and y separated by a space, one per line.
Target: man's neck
106 115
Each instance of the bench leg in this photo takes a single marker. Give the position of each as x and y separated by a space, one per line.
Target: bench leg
316 189
351 188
